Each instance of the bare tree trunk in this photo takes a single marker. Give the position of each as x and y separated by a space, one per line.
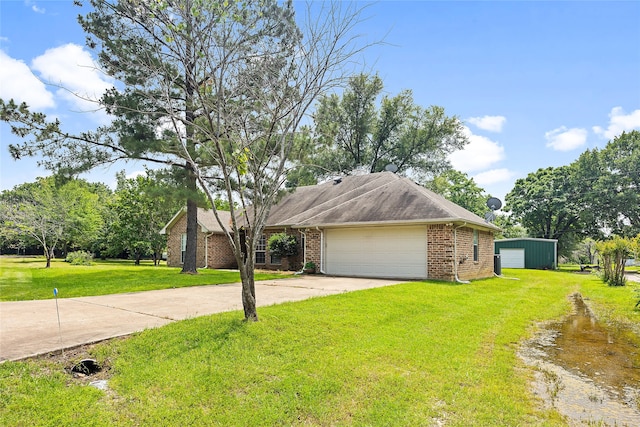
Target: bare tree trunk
248 293
48 254
190 257
189 266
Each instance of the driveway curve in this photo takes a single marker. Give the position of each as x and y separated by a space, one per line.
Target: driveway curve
30 328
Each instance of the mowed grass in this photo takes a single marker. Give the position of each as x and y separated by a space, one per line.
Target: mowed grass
27 279
415 354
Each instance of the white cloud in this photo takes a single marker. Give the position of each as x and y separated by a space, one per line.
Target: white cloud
563 139
74 71
479 154
494 176
34 6
489 123
24 87
619 122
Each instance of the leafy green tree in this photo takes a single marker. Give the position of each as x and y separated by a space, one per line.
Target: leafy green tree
586 252
142 206
610 186
457 187
547 204
635 248
35 210
52 215
217 88
355 132
510 229
82 206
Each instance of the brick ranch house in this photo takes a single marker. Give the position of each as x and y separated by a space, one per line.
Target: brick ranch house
375 225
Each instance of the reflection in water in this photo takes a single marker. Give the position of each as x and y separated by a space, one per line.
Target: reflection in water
588 373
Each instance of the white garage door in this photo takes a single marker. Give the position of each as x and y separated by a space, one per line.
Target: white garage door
398 252
511 258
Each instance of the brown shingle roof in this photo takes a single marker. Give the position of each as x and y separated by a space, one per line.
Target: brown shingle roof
209 223
367 199
372 199
206 220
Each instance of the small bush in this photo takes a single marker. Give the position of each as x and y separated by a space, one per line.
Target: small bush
613 254
79 258
283 245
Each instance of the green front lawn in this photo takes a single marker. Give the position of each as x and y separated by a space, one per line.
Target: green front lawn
27 279
415 354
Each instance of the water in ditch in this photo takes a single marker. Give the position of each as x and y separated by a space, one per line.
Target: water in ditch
589 373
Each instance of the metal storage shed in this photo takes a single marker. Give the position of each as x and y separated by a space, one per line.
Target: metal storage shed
527 252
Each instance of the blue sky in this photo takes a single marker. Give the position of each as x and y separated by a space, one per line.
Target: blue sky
536 83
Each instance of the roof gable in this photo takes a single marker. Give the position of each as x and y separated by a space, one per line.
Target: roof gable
206 220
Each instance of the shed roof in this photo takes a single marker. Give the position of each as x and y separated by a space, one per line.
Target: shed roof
379 198
534 239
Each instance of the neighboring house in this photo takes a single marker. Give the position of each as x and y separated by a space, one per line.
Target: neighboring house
375 225
527 252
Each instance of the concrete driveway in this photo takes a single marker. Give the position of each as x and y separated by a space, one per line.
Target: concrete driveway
29 328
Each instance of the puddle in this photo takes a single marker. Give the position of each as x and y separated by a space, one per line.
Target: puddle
588 373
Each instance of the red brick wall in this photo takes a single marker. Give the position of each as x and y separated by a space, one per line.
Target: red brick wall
313 248
440 248
440 252
174 254
220 252
468 268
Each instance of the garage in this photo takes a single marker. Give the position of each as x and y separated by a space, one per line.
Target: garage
398 252
512 258
528 252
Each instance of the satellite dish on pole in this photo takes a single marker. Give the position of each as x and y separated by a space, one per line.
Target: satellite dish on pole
494 203
391 168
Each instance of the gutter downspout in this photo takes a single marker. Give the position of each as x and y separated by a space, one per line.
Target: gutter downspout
321 250
304 252
455 253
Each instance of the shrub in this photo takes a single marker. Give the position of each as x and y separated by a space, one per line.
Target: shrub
283 245
79 258
613 254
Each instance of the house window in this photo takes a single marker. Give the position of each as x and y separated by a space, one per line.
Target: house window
183 247
261 250
275 260
475 245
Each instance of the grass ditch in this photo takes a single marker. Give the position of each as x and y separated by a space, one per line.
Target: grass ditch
421 353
